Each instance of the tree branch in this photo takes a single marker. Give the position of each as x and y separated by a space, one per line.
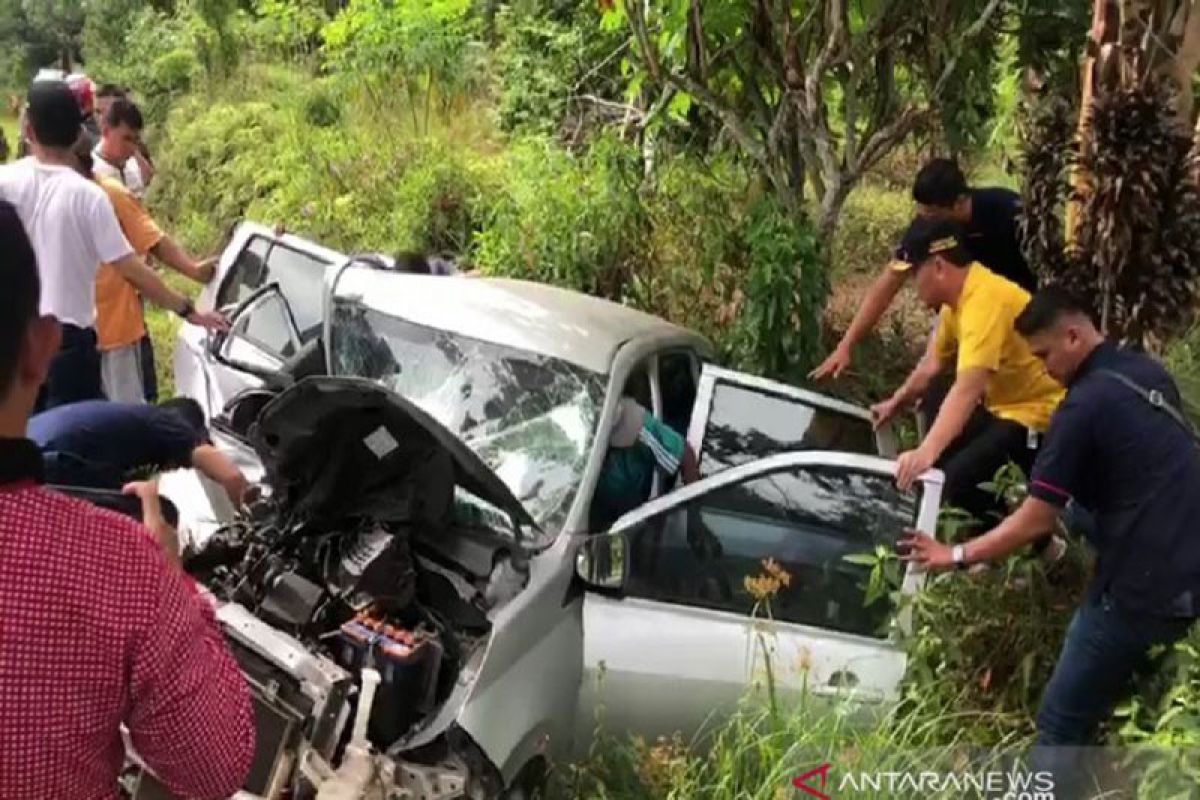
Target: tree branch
973 30
729 117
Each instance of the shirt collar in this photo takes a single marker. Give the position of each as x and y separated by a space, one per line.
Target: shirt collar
970 283
20 461
1095 360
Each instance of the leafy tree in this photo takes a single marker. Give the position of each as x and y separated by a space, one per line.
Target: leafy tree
1132 238
422 46
815 93
57 21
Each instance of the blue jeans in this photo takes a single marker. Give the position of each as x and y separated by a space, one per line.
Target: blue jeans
1105 645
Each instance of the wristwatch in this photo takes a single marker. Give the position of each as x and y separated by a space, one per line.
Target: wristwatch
187 310
959 554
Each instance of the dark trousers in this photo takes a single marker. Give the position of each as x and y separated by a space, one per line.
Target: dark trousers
149 375
986 444
1105 645
74 372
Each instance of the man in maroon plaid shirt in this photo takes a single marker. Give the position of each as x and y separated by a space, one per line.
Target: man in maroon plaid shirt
99 627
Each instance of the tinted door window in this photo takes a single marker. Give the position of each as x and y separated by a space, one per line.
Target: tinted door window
300 277
746 424
807 520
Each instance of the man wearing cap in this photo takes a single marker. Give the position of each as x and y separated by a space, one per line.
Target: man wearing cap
74 229
1002 396
989 220
639 447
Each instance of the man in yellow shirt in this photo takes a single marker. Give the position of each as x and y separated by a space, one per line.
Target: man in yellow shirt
1002 396
120 325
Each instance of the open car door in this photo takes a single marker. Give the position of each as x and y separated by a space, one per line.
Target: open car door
739 418
689 619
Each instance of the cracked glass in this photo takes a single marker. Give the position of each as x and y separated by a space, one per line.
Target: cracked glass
529 417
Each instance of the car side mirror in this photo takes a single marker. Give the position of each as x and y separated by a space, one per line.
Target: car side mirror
602 560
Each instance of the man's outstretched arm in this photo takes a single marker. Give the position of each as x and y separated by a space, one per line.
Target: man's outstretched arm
174 256
147 281
1033 519
218 467
966 393
877 300
915 385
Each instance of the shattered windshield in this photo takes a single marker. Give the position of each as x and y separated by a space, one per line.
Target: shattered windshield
529 417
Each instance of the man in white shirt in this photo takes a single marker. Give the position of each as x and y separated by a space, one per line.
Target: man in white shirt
120 136
73 229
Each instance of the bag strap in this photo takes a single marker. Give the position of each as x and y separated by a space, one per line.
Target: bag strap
1155 398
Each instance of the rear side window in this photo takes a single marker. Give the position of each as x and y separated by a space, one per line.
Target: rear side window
247 275
300 277
746 424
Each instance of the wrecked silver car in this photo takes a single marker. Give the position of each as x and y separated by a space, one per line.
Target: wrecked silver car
503 394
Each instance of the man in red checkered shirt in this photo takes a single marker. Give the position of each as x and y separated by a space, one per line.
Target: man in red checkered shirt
99 627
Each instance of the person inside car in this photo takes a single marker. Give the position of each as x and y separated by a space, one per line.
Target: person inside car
102 629
100 444
639 448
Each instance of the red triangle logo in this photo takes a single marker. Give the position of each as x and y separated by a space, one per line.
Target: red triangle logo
802 782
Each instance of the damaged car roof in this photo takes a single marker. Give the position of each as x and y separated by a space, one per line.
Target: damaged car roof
583 330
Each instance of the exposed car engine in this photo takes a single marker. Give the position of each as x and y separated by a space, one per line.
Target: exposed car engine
356 589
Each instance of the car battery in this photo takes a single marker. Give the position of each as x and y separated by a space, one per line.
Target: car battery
408 663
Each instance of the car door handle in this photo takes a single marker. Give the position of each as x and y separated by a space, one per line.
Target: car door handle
844 683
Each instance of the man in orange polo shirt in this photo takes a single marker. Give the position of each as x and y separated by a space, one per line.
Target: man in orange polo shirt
120 325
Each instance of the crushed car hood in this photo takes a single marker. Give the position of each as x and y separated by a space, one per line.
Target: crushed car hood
348 447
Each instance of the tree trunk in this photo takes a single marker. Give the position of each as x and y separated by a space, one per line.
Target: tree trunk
831 209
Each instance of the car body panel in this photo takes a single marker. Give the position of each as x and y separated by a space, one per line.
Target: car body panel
198 374
658 668
523 701
578 328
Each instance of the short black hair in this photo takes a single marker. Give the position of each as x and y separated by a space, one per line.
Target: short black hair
189 411
413 263
112 90
54 114
124 112
939 183
22 292
1048 307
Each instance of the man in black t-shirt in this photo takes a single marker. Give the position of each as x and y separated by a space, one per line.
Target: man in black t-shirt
989 218
98 444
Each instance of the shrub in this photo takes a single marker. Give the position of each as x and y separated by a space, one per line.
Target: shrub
322 110
546 58
425 48
172 73
558 219
287 29
871 225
